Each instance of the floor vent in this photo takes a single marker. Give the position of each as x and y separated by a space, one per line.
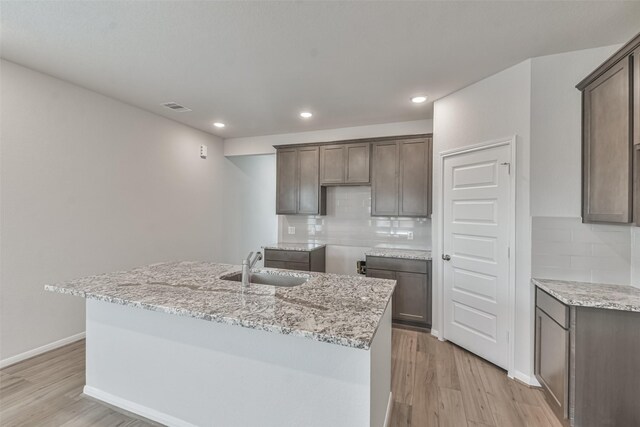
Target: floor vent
176 107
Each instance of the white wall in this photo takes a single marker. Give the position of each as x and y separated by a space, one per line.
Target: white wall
264 144
635 256
556 144
564 247
250 205
90 185
494 108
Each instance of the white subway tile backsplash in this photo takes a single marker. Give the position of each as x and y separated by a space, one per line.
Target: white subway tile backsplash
551 235
349 222
542 272
567 249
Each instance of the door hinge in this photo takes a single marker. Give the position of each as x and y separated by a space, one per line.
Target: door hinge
509 252
507 336
508 165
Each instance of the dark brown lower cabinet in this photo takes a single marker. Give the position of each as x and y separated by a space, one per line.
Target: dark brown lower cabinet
311 260
587 361
412 296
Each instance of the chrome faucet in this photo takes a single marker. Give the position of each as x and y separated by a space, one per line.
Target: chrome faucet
247 265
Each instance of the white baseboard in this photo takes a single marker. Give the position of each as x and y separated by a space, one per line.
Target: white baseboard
436 334
387 418
524 378
143 411
37 351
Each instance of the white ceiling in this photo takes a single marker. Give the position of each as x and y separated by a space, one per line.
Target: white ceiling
256 65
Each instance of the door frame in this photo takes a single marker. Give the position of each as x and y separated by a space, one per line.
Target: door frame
511 143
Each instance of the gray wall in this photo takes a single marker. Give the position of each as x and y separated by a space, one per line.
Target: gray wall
90 185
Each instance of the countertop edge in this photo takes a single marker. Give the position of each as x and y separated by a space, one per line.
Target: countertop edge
397 255
287 247
319 337
611 305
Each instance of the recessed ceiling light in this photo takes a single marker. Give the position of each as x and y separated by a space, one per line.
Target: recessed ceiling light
305 114
219 124
418 99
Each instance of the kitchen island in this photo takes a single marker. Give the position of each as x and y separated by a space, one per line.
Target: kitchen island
181 344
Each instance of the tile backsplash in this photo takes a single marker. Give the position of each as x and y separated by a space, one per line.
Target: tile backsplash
349 223
567 249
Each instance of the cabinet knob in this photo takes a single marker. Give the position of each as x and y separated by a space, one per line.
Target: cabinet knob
446 257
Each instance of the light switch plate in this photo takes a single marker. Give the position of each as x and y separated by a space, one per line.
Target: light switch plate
410 235
203 151
292 230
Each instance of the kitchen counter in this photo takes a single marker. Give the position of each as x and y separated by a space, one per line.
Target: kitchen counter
178 344
399 253
596 295
343 310
302 247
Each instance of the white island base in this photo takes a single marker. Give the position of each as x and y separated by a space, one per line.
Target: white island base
182 371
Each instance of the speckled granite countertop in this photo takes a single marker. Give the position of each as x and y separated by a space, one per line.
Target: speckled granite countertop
302 247
399 253
597 295
343 310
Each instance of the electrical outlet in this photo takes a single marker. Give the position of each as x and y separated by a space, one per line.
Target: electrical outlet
292 230
410 235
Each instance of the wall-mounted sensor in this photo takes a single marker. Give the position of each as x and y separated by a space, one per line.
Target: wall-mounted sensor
203 151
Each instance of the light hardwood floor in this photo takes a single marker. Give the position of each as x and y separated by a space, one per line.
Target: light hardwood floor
434 384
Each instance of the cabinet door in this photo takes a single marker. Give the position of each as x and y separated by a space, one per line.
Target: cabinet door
415 177
607 190
357 163
286 181
309 180
384 182
552 361
410 298
332 164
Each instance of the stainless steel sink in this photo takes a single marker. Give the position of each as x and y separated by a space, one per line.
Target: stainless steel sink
272 279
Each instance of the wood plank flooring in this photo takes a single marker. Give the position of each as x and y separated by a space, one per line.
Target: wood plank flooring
439 384
433 383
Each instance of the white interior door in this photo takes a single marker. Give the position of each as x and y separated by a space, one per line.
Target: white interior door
476 211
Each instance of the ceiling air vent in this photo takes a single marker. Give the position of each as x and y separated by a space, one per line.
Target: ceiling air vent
176 107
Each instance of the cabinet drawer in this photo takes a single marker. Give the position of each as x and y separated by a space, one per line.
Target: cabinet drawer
397 264
381 274
292 256
554 308
287 265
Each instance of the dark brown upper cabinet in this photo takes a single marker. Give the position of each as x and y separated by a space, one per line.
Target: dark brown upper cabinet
401 177
610 101
287 181
298 188
344 164
384 182
398 168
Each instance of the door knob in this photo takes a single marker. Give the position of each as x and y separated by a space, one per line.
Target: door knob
446 257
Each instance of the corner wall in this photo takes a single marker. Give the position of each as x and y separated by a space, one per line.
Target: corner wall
89 185
537 101
494 108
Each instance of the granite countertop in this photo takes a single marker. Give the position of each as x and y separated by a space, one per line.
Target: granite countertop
399 253
302 247
596 295
331 308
